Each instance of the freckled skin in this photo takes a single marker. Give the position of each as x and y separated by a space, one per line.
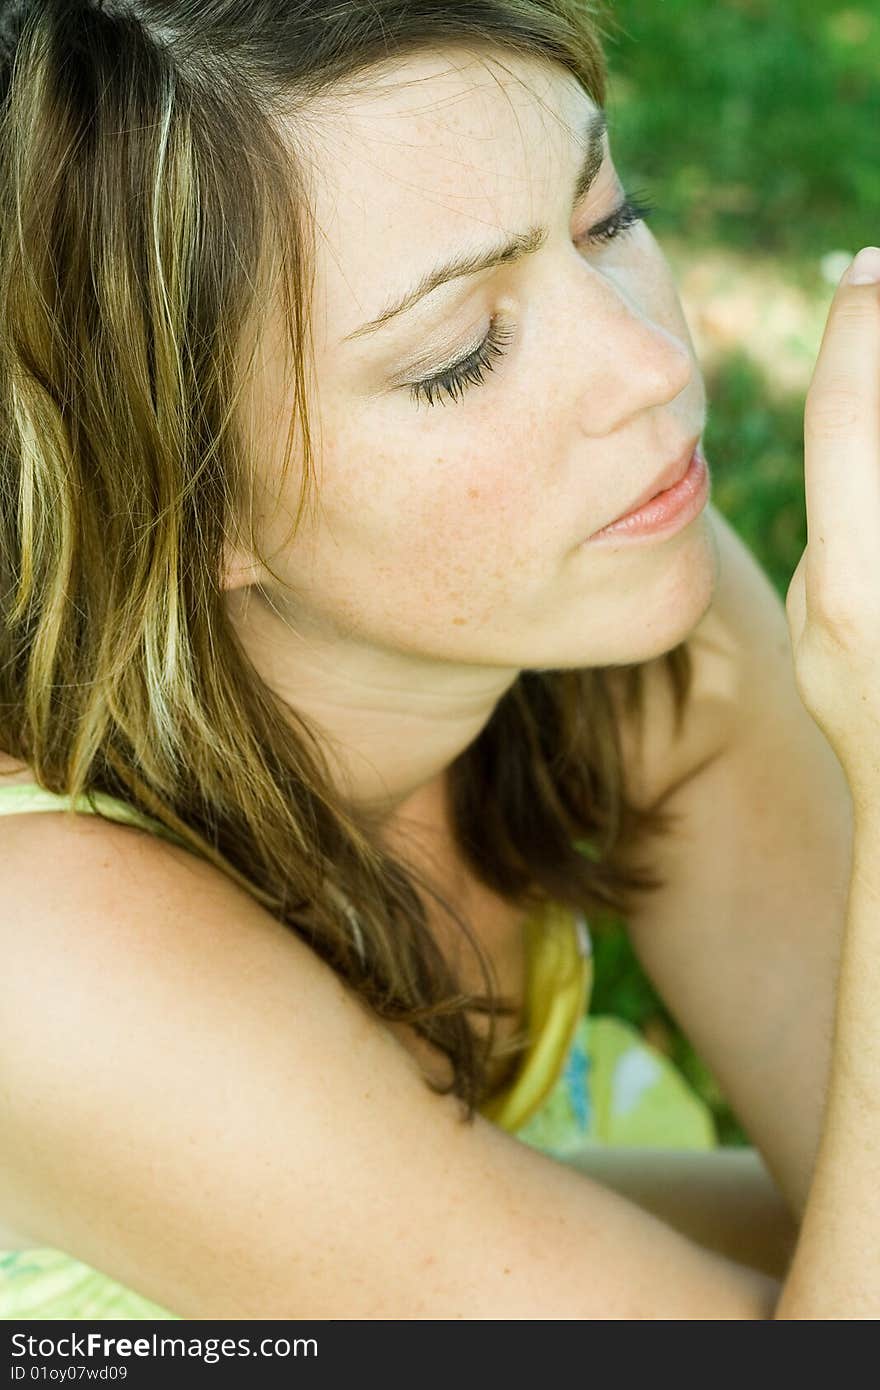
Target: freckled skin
443 557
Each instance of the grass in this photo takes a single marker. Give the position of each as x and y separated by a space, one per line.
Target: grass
752 124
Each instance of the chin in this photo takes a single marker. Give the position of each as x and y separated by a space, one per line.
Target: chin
688 592
666 592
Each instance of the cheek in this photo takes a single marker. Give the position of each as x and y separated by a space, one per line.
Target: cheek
432 548
415 499
479 497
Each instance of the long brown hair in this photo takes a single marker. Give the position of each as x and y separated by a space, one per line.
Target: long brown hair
151 207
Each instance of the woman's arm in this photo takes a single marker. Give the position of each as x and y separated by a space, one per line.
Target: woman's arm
743 939
836 1268
196 1105
724 1199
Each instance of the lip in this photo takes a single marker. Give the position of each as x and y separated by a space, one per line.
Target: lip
672 474
685 494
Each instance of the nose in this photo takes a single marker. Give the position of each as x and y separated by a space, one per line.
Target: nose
636 363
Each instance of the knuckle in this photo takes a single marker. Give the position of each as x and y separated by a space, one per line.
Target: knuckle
795 593
840 629
793 596
830 604
816 668
807 683
793 606
840 621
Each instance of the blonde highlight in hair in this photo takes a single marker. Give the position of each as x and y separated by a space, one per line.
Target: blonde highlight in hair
154 203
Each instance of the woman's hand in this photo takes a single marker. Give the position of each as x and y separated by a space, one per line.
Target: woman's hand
833 601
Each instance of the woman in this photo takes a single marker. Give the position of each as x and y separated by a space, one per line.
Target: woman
391 746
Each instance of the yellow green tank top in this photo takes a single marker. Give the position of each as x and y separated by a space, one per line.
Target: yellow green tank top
582 1080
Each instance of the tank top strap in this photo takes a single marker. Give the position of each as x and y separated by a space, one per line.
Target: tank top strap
559 985
15 799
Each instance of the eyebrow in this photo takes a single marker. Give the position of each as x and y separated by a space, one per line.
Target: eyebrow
514 248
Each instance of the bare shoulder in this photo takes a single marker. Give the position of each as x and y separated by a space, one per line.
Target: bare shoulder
195 1104
739 647
86 898
81 880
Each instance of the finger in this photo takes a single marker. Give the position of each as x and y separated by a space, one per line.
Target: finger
842 449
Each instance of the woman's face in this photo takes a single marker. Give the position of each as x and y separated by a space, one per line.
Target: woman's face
450 525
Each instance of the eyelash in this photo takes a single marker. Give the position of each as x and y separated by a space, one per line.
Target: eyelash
469 371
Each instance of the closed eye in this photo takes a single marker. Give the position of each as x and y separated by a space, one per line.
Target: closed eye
468 371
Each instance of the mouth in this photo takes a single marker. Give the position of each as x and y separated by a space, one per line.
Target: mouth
668 511
666 479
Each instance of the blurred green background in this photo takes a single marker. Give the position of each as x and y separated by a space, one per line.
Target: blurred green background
754 126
